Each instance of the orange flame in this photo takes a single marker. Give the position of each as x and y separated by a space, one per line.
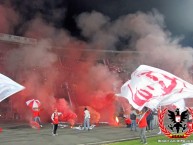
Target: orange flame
117 119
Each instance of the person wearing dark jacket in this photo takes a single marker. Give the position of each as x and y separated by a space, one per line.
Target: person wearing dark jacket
150 121
133 117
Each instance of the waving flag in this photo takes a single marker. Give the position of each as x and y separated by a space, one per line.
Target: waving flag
8 87
180 104
153 87
33 103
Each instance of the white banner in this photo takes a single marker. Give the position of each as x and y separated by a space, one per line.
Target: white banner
153 87
8 87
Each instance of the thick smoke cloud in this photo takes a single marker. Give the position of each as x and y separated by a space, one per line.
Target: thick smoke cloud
145 33
59 73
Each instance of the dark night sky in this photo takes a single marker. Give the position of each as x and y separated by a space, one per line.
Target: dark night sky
62 13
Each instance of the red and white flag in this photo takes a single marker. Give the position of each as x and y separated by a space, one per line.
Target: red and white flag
33 103
153 87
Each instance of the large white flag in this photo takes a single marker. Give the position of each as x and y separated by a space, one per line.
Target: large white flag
8 87
180 104
153 87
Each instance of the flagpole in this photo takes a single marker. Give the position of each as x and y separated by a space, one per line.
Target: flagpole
68 94
143 115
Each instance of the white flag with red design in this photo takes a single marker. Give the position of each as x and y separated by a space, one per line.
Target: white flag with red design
153 87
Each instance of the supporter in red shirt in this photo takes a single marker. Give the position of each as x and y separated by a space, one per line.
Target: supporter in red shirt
128 122
36 116
55 121
142 124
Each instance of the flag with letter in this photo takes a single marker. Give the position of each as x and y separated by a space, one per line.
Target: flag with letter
8 87
153 87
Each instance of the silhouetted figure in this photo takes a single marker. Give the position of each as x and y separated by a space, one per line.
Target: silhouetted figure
177 119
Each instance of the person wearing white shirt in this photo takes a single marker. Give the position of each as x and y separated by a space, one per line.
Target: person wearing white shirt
55 121
86 119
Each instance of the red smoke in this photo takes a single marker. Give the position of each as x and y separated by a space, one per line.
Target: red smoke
84 84
65 76
63 72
